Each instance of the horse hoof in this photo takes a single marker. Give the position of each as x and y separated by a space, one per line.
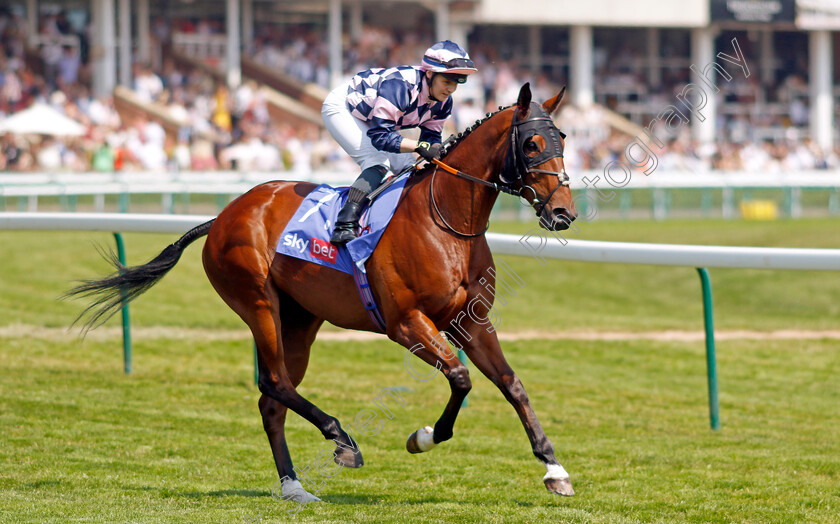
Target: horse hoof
421 440
345 457
561 487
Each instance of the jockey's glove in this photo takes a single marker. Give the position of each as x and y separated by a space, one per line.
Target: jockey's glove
428 151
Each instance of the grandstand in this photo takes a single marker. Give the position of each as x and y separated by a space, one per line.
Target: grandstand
174 85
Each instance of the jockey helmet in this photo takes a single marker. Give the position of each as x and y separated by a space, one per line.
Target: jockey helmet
450 59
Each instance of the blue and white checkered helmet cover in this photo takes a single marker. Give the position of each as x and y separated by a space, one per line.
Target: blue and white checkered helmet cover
447 57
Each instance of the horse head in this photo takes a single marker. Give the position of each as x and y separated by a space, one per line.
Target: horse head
533 166
526 160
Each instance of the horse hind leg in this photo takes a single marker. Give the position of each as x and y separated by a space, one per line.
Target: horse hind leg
299 328
298 332
275 381
244 286
274 419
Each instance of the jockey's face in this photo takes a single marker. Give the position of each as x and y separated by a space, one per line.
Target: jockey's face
440 87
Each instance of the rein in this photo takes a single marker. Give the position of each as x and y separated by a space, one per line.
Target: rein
521 164
452 170
461 174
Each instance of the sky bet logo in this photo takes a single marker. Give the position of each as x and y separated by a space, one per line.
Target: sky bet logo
295 242
323 250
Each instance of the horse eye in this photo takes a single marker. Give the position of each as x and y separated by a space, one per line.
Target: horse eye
531 147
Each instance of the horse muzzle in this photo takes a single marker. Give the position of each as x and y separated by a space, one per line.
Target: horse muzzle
557 219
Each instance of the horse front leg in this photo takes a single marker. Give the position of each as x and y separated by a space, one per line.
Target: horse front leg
418 334
484 351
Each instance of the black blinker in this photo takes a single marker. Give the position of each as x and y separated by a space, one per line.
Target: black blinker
517 163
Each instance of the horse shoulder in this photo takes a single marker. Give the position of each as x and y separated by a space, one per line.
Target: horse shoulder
416 267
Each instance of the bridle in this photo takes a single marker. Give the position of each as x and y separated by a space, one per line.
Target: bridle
516 164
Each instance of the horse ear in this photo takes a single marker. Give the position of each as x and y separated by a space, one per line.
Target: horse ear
524 102
552 104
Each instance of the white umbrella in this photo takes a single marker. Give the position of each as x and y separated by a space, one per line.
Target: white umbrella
41 119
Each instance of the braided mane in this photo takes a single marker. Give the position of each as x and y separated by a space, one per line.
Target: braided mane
461 136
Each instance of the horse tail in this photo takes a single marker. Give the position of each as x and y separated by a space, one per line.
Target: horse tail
111 293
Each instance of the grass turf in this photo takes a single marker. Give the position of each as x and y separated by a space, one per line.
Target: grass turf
181 440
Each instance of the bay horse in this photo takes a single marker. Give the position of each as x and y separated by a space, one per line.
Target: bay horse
431 262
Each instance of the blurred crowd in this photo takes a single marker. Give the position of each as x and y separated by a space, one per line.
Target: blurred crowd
232 130
592 144
224 130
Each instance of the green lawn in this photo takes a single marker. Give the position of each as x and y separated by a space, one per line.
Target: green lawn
181 439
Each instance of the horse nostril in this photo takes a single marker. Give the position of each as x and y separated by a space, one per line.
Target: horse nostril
562 214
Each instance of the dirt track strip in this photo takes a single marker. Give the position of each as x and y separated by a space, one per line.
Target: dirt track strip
28 331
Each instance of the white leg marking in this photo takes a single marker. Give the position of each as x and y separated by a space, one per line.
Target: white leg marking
425 438
294 490
555 471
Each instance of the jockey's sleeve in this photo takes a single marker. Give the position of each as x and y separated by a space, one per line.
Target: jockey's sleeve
431 136
430 130
393 99
383 135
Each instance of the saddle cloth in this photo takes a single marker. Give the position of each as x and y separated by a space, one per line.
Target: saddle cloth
307 235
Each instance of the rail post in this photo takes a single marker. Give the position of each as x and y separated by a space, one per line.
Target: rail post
126 320
711 363
463 358
256 365
625 203
706 202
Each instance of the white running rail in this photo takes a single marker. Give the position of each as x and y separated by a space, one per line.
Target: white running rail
536 243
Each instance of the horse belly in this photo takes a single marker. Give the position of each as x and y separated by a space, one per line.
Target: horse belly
326 293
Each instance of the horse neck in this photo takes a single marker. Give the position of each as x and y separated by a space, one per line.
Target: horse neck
466 204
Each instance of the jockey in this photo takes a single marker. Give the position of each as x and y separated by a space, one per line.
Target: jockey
364 115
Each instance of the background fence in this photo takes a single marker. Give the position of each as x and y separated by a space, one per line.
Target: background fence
660 196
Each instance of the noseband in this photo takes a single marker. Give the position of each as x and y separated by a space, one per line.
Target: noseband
517 164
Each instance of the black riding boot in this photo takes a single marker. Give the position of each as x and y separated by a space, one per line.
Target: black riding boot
347 222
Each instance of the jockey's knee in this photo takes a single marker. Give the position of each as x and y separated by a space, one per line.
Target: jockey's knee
370 178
